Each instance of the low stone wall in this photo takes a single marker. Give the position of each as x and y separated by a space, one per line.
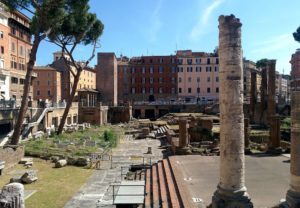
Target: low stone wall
11 156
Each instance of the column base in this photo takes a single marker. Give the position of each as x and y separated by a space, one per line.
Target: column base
293 199
227 199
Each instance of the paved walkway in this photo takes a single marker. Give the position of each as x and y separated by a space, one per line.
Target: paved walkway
97 191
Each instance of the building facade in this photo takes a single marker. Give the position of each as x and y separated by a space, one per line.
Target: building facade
198 75
147 78
19 52
47 85
4 55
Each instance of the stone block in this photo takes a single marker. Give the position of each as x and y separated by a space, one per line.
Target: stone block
61 163
12 196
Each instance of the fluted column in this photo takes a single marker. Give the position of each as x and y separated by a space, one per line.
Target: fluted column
231 191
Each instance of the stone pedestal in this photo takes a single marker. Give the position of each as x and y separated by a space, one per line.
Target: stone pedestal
231 190
293 194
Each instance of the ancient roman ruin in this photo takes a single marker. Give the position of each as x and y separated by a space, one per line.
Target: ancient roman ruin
231 191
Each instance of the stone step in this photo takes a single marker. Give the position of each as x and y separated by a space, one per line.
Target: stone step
162 186
174 195
155 187
147 203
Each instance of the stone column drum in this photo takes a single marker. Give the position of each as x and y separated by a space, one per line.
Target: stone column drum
231 191
293 194
12 196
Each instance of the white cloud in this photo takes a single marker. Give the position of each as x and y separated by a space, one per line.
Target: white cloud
204 19
155 22
275 44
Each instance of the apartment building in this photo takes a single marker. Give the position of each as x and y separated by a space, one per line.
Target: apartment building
87 78
198 75
147 78
4 55
54 82
19 51
47 85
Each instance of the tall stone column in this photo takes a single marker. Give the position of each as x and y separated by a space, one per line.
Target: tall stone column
253 95
263 94
271 89
293 194
231 191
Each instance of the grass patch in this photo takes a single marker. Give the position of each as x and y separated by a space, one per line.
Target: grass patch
286 123
76 143
55 186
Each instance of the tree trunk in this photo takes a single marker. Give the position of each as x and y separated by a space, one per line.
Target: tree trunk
24 103
69 101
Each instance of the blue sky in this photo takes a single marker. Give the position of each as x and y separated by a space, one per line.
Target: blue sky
159 27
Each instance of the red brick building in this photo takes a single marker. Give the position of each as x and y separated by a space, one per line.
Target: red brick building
147 78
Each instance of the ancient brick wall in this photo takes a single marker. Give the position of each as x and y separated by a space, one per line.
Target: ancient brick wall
11 156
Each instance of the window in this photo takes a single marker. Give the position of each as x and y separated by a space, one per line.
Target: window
143 70
13 49
173 90
48 83
132 70
1 63
133 90
190 79
179 80
198 89
161 60
179 61
132 80
216 68
217 61
143 90
208 61
217 90
49 92
208 90
207 69
208 79
151 90
143 80
21 51
13 31
161 69
189 61
151 69
189 90
173 79
198 79
2 49
22 81
173 60
160 80
14 80
179 90
151 80
160 90
1 34
38 92
198 61
217 79
173 69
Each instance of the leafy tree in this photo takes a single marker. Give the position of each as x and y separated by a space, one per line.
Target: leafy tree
297 35
46 14
79 27
261 63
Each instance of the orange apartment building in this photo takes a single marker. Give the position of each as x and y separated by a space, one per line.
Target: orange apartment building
54 82
47 85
